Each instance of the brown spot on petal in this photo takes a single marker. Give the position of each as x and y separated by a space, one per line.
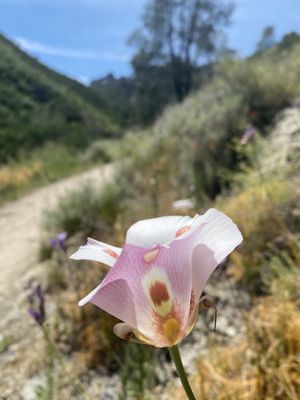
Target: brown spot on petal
182 230
159 293
148 257
111 253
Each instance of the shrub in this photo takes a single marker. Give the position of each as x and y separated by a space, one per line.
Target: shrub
137 371
102 151
86 210
58 161
258 211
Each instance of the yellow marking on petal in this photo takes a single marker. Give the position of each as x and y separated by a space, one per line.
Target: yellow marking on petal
164 308
171 329
182 230
148 257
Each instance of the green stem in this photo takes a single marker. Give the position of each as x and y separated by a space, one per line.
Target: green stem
181 372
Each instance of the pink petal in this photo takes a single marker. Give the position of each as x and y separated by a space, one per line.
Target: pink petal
97 251
150 232
217 237
131 302
115 297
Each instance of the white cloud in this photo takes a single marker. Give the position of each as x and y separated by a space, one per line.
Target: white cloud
40 48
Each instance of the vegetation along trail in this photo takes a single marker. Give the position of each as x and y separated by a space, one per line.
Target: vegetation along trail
20 232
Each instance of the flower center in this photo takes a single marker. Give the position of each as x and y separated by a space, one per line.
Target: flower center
171 329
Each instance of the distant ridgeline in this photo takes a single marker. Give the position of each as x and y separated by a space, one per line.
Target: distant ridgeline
140 99
39 105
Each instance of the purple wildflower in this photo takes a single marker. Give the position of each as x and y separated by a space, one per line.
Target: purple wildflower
248 135
60 241
37 305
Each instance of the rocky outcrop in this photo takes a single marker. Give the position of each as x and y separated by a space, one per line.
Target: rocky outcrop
282 150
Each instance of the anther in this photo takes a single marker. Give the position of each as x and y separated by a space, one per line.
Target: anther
208 302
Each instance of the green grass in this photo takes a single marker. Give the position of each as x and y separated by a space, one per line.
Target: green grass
5 342
47 164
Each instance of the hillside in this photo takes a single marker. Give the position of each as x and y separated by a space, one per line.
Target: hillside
38 105
120 94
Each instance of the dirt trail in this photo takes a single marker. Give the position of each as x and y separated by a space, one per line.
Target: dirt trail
20 232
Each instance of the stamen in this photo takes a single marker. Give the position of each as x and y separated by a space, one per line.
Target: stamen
208 302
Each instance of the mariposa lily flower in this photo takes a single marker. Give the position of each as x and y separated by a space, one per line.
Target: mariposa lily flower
156 280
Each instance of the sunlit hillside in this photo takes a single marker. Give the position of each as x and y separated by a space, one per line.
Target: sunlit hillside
38 105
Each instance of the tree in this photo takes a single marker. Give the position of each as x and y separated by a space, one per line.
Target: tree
181 35
153 88
267 39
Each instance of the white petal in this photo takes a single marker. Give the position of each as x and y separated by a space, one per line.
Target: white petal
97 251
217 238
219 233
150 232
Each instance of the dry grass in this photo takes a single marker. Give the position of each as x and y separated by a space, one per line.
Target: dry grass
13 178
259 211
255 204
264 365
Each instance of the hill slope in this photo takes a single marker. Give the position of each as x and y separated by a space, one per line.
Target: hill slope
39 105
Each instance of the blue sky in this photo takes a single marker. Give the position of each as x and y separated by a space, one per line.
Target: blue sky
86 39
